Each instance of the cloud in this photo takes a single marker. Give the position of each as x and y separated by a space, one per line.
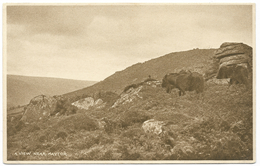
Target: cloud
96 41
56 20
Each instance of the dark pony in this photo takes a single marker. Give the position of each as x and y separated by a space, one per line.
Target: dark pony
184 81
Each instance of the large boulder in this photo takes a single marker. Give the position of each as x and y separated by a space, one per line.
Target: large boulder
39 107
238 57
153 126
233 54
237 74
227 49
234 58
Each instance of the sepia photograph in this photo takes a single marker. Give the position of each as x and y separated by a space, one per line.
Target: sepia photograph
129 83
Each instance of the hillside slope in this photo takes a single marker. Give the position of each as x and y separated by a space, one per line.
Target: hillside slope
193 59
21 89
215 125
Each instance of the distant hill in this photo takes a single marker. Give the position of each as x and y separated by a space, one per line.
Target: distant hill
21 89
198 59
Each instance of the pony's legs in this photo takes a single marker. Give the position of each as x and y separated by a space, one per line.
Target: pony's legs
183 92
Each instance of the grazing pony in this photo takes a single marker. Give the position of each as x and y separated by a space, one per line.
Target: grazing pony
184 81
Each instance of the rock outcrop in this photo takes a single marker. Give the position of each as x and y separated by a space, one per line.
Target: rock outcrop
128 96
99 103
84 103
39 107
88 102
233 49
231 63
233 54
133 90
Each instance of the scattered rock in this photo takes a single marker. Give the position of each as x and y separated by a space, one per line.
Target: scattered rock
192 139
153 84
131 92
39 107
101 123
237 126
88 102
128 96
99 102
12 118
153 126
84 103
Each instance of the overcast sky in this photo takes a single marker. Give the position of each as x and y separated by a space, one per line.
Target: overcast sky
93 42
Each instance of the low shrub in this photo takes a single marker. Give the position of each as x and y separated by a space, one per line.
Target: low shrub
150 79
64 107
133 86
71 109
127 155
57 147
42 138
9 144
61 134
81 145
172 117
49 134
107 97
132 156
169 141
19 125
133 116
108 155
88 142
33 127
110 125
77 122
34 146
11 130
130 86
229 147
133 133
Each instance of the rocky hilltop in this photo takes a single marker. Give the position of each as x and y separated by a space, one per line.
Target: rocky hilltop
141 121
230 55
234 54
195 60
